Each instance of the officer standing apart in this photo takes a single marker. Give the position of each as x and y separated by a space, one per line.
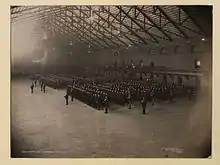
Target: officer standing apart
44 87
144 104
41 86
106 102
66 98
32 87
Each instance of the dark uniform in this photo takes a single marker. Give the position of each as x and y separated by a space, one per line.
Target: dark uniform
106 103
41 86
32 88
144 104
44 87
66 98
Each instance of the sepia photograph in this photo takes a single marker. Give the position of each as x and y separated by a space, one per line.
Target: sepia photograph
111 81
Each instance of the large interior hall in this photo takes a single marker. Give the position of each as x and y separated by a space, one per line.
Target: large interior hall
111 81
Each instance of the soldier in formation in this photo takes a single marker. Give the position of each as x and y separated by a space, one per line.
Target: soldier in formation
122 92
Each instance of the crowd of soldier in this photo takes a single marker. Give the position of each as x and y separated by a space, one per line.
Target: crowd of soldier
121 92
94 98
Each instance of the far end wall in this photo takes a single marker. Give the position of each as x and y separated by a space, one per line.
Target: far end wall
176 58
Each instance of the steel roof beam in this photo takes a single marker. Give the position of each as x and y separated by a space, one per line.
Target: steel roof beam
26 9
58 29
115 28
133 20
85 29
71 29
69 33
47 13
83 26
155 25
96 29
126 26
173 22
194 21
92 27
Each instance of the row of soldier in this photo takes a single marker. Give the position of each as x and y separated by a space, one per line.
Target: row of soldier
123 92
95 99
160 91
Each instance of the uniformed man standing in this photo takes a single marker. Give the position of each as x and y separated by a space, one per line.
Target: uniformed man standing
32 88
66 98
106 103
144 104
44 88
41 86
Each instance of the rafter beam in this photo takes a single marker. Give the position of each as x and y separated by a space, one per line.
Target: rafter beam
194 21
51 20
98 30
78 34
71 29
67 32
133 20
126 26
36 14
115 28
33 14
19 11
58 29
155 25
173 22
84 28
112 35
91 27
53 25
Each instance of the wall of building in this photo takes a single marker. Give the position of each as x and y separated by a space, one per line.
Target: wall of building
182 58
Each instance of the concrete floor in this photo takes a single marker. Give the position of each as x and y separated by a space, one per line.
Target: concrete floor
43 126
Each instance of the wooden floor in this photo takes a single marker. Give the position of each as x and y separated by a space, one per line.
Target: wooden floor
43 126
